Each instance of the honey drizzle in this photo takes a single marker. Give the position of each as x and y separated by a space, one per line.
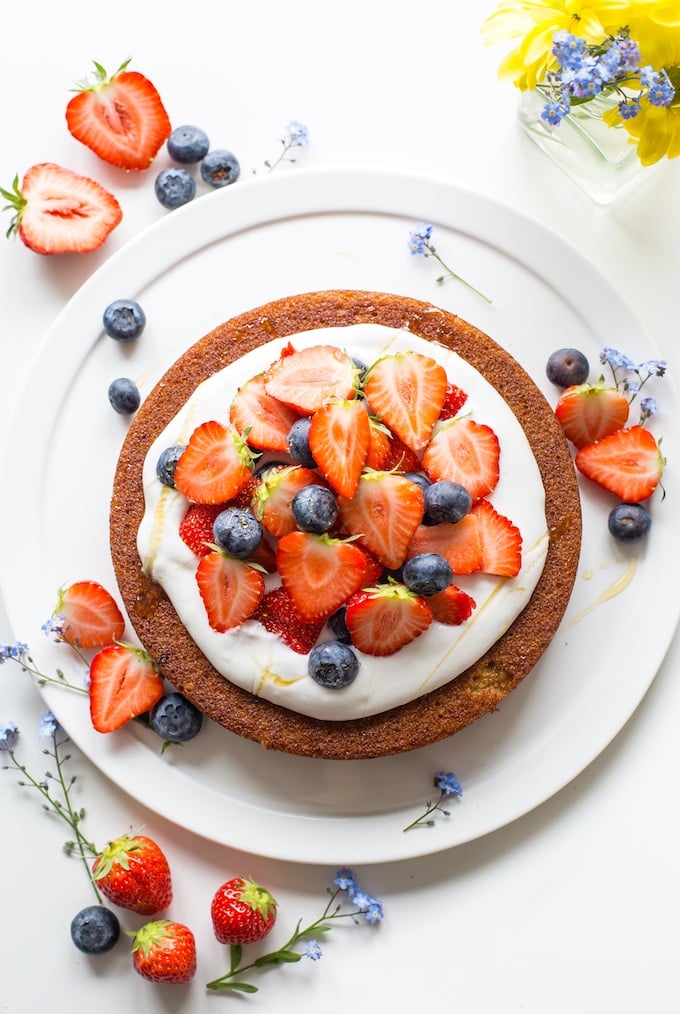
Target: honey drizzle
615 588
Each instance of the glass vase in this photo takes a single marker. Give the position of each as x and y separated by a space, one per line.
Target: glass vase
596 157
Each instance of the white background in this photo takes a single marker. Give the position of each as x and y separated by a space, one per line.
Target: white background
573 907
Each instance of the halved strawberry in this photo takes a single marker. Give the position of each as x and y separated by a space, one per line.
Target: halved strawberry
379 446
382 620
124 683
306 379
384 512
466 452
57 211
588 412
501 541
407 392
196 527
262 421
274 494
90 617
374 568
627 463
459 544
120 118
401 458
215 464
453 402
277 614
452 606
231 589
319 572
339 435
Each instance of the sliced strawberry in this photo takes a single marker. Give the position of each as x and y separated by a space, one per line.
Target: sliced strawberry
466 452
89 615
274 494
339 435
627 463
57 211
407 391
588 412
453 402
385 512
319 572
120 118
260 419
277 614
196 527
231 590
379 446
501 541
459 544
401 458
214 466
374 568
306 379
124 683
382 620
452 606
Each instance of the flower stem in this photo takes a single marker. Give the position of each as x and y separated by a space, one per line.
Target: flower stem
59 680
452 274
422 820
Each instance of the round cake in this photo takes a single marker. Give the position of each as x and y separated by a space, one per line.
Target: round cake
247 679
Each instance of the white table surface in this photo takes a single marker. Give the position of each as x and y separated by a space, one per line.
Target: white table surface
573 907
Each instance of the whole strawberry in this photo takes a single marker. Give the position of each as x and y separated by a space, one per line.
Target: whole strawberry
164 951
242 912
134 873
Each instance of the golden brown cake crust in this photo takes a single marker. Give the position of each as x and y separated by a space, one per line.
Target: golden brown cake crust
441 713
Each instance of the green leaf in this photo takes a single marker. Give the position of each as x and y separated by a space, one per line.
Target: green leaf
277 958
234 987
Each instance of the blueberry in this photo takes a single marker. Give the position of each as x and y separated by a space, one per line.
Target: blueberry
298 443
219 168
566 367
174 187
446 501
315 509
237 531
338 625
167 463
419 478
629 521
124 396
175 719
188 144
124 320
95 929
333 664
427 574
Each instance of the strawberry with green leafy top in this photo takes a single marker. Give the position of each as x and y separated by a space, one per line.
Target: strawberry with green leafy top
500 539
121 118
271 502
383 619
306 379
124 683
89 615
588 412
164 951
319 572
133 872
57 211
339 437
627 463
384 513
231 589
242 912
466 452
260 419
215 465
407 392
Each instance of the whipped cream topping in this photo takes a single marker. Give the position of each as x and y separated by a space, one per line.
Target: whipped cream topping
259 661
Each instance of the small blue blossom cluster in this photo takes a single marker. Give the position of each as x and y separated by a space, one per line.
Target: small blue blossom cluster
19 652
588 70
420 242
448 785
16 652
630 377
296 135
369 906
9 736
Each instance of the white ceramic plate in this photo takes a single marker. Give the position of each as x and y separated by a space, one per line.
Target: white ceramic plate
235 249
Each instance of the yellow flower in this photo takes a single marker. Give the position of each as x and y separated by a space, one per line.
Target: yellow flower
534 23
